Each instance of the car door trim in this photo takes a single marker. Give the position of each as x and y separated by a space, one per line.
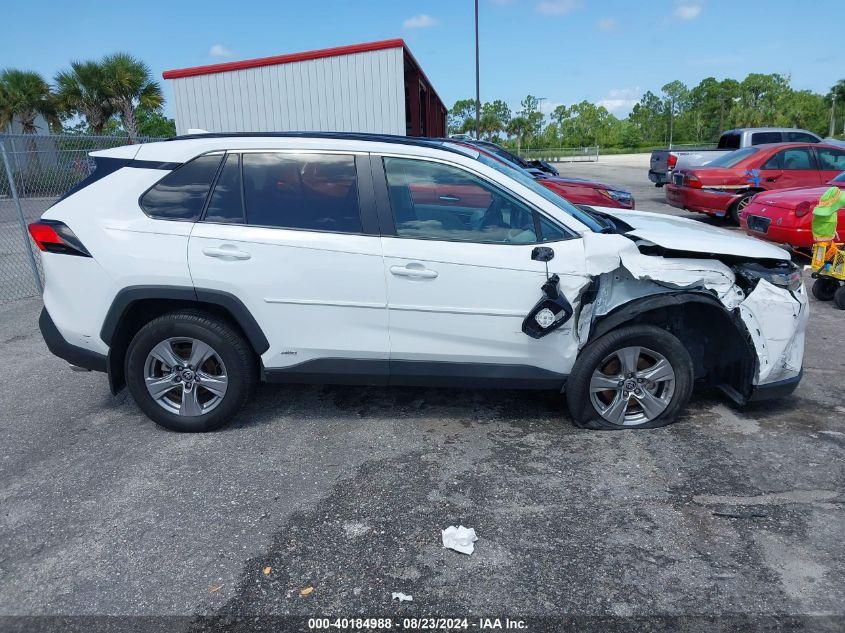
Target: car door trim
399 372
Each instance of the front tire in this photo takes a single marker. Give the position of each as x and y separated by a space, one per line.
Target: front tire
190 371
839 298
639 376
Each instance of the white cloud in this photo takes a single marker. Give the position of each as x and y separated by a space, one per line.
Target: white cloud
420 21
687 11
621 100
218 50
557 7
607 24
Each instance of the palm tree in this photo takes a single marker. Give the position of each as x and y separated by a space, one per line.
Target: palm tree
130 86
82 89
519 126
25 95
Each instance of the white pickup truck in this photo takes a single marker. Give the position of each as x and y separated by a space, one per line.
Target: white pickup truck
665 161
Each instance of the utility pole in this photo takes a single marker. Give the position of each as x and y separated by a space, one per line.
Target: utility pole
477 80
671 119
832 115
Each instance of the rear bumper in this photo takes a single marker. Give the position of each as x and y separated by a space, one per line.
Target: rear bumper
701 200
794 236
775 390
74 355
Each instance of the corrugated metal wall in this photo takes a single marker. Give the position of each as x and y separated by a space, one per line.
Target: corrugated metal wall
363 92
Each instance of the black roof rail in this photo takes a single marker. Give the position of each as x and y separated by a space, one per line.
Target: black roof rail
419 141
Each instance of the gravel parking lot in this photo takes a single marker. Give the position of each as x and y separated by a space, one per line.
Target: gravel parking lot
731 513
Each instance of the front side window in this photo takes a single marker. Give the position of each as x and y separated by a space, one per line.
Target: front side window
795 158
315 192
831 159
761 138
440 202
181 194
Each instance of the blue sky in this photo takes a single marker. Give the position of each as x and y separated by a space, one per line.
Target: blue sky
607 51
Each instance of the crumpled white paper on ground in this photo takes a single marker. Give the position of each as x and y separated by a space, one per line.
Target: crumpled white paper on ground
459 538
401 597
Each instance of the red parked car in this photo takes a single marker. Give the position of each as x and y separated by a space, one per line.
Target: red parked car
786 216
575 190
724 187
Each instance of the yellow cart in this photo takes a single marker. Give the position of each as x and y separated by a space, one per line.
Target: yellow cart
829 272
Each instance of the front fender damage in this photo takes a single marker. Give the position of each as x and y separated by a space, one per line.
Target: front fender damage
770 320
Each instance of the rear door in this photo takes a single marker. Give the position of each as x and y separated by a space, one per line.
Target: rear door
460 278
790 167
294 235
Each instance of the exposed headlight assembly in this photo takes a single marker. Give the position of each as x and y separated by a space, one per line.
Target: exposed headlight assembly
786 275
622 197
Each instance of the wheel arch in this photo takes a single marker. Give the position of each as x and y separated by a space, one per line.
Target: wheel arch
717 340
135 306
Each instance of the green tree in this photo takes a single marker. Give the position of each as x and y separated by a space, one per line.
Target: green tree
519 127
151 124
461 119
24 96
130 87
81 90
836 101
495 117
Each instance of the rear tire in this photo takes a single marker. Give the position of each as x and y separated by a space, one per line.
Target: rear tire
652 394
839 298
210 366
739 205
825 288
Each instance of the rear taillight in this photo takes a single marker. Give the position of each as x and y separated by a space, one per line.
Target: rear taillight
692 181
55 237
672 161
803 209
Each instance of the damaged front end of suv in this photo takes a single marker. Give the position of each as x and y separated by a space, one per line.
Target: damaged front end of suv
739 307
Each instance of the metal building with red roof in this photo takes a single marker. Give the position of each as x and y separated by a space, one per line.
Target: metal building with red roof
374 87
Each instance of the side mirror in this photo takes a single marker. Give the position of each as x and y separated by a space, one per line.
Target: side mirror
542 254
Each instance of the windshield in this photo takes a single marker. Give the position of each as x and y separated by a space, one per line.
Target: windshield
731 159
523 178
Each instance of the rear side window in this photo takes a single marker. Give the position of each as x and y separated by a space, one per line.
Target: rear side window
226 203
181 194
761 138
729 141
831 159
315 192
800 137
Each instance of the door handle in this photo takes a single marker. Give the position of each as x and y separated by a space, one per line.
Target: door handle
226 252
450 198
419 273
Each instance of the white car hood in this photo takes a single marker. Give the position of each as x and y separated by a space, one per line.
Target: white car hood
681 234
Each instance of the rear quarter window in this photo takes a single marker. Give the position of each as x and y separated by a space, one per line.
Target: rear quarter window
181 194
728 141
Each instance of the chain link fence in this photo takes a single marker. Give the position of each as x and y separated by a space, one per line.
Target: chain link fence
35 170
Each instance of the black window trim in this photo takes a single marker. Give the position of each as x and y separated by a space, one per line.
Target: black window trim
386 211
177 167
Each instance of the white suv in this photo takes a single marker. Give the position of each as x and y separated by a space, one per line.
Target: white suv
192 269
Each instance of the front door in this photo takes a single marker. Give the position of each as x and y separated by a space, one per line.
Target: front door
287 233
460 279
791 167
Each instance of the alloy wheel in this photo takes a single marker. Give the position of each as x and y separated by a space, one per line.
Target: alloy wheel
185 376
632 386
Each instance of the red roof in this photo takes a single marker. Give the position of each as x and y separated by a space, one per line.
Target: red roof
285 59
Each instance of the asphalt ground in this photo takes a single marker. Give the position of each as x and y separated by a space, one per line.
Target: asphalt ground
729 519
